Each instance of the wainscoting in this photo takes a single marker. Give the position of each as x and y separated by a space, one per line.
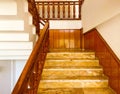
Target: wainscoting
108 59
65 39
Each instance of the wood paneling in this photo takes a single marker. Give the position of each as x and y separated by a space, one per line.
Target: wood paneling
65 39
109 61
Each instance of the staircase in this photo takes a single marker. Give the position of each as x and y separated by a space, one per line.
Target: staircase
16 30
73 72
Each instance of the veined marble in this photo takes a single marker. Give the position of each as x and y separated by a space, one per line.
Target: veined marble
71 63
77 91
81 82
73 73
71 55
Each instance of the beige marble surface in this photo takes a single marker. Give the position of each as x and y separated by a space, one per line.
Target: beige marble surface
82 82
71 55
72 72
71 63
76 72
76 91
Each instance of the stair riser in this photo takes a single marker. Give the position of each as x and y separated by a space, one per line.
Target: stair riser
71 63
11 8
71 56
11 25
14 37
70 73
15 52
73 84
14 57
16 45
76 91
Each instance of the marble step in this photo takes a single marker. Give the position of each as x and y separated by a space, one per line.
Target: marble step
76 91
71 63
71 72
81 82
71 55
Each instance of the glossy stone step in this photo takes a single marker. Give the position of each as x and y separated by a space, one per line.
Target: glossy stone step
98 91
69 50
81 82
71 63
71 72
71 55
61 91
76 91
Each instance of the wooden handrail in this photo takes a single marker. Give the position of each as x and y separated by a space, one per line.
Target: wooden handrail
33 10
59 10
30 76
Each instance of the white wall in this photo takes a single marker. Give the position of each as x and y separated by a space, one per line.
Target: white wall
110 31
17 67
10 71
8 7
5 77
65 24
95 12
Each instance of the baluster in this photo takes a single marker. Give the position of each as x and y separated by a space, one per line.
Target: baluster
58 10
79 9
53 10
74 10
63 9
48 9
38 8
68 9
43 10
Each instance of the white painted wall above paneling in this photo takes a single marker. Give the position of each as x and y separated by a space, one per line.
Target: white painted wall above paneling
95 12
110 31
8 7
65 24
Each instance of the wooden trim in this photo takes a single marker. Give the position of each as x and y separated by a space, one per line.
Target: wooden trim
108 59
109 48
32 8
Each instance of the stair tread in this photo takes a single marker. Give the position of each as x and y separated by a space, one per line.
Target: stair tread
58 58
76 91
71 63
73 72
78 78
71 67
69 50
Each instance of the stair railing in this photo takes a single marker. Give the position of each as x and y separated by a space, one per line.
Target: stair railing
31 74
59 10
33 10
